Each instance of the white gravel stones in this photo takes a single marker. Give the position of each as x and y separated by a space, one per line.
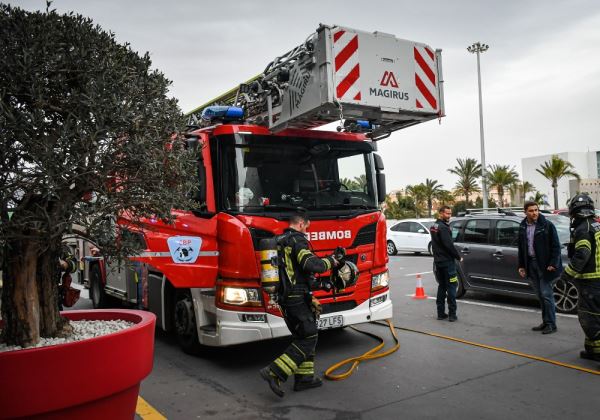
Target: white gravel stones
81 330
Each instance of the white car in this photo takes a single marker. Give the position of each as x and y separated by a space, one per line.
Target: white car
410 235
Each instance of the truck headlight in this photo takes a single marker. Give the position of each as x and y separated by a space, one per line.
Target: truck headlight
380 281
241 296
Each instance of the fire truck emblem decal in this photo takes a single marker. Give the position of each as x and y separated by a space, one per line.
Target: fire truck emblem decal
184 249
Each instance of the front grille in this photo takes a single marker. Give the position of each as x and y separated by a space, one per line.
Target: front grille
338 306
366 235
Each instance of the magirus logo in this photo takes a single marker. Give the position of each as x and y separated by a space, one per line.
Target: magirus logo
327 235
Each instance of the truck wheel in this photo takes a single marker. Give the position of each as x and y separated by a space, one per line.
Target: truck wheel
97 294
185 324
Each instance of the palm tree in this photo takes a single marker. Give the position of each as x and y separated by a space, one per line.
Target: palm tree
524 187
501 177
444 197
418 193
555 169
432 188
468 171
527 187
539 198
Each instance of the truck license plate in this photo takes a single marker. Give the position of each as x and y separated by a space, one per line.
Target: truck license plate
335 321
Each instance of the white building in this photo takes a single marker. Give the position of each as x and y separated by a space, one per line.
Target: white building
586 164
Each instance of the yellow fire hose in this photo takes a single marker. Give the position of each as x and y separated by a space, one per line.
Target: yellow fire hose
502 350
369 355
374 352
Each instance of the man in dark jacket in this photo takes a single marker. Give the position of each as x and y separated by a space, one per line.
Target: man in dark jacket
444 265
539 260
297 308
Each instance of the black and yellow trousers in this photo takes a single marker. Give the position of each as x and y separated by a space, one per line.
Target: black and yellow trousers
588 312
298 358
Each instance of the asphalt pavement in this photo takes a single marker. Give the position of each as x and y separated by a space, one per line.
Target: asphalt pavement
429 377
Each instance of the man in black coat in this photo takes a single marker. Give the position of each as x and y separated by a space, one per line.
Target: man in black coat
539 260
444 265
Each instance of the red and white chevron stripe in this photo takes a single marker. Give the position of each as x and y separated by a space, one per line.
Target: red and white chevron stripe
347 67
425 78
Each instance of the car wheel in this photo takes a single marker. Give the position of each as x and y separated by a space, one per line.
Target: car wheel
430 249
185 324
460 289
565 296
391 248
97 294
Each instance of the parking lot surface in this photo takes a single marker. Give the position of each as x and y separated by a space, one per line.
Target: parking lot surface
429 377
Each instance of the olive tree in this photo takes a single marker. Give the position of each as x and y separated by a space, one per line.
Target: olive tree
87 133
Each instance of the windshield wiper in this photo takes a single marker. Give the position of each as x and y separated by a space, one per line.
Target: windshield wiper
343 206
282 207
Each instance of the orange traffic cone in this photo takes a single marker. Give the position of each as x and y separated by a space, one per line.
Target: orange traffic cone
419 291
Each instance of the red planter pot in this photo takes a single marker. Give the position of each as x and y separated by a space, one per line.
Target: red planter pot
98 378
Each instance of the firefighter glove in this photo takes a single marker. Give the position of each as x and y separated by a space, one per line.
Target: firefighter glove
339 254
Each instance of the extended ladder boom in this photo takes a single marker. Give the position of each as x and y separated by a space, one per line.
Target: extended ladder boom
371 80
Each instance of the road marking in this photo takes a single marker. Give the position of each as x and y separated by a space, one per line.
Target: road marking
414 274
512 308
146 411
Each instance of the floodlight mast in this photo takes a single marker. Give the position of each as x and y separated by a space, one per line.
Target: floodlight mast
478 48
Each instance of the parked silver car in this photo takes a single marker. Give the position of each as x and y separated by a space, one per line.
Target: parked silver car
488 245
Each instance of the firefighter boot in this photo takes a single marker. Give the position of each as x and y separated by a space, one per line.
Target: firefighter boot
584 354
273 381
302 382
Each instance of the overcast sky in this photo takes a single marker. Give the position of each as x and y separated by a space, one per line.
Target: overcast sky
540 77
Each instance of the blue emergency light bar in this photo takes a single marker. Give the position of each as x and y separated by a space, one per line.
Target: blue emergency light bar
223 113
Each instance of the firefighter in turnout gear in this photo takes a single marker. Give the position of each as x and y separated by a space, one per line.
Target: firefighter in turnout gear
584 271
300 309
444 266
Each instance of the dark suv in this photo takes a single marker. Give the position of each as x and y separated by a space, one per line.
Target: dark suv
488 244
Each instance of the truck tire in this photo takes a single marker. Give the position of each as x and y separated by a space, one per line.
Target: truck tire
185 324
97 294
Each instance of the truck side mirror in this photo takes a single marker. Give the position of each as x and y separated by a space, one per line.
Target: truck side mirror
378 162
381 192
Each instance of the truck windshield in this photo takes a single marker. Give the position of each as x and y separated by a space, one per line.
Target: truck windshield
262 174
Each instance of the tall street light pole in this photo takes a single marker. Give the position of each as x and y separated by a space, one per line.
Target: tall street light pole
478 48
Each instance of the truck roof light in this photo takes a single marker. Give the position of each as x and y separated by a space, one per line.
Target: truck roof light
222 113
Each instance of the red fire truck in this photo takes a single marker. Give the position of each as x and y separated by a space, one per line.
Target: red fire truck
260 161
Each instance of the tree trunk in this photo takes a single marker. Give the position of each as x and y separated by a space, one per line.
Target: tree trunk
555 187
51 323
20 305
30 295
429 204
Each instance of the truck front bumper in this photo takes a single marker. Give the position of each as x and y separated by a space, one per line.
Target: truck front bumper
243 327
